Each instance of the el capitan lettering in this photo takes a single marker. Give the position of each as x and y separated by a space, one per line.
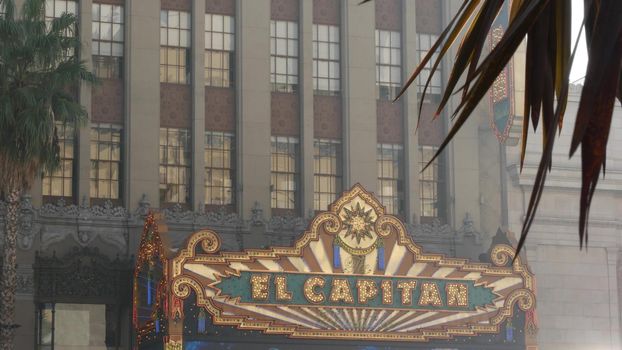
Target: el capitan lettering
306 289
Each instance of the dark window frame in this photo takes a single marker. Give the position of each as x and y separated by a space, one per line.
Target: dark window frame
284 169
332 174
391 164
219 50
388 63
108 64
211 167
175 44
326 52
284 49
175 143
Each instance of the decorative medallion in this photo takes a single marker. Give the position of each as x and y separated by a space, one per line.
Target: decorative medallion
358 222
354 274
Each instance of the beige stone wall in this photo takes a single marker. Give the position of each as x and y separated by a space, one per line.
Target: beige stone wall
578 290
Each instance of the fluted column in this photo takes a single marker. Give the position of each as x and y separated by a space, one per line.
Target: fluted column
463 164
253 105
412 208
83 167
306 105
198 104
359 107
142 96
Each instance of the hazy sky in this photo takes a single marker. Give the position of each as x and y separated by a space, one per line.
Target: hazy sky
580 61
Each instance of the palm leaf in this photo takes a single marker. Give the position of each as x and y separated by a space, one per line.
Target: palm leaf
39 74
546 26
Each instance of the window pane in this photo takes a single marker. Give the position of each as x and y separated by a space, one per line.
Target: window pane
281 29
173 37
163 36
217 23
184 20
173 19
117 14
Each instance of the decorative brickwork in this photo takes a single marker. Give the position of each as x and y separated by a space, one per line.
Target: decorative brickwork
113 2
390 121
107 102
327 12
428 18
222 7
389 14
178 5
175 106
431 132
219 109
280 212
327 117
285 10
285 119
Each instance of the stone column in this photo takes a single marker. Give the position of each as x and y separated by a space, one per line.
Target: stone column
359 97
253 105
142 102
411 114
83 156
462 153
198 104
613 256
306 105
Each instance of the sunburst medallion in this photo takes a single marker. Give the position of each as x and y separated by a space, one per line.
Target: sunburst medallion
359 223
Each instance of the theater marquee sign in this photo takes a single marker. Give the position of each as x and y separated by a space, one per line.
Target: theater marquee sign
354 274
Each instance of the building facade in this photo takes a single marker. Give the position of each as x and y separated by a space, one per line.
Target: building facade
246 117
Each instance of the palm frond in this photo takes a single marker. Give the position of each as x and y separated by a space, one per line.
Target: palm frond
39 76
546 26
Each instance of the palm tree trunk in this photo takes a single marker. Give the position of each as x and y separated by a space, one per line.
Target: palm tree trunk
8 283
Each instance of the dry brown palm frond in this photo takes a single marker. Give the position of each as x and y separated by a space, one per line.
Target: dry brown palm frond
545 25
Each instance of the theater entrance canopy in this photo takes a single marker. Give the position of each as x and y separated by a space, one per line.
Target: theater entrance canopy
353 280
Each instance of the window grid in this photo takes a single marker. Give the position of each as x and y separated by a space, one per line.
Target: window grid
327 172
284 172
174 47
219 168
107 37
219 50
388 64
105 161
326 73
424 43
55 9
284 56
390 177
429 182
60 182
175 165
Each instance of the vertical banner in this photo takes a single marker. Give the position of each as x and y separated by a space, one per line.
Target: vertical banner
501 94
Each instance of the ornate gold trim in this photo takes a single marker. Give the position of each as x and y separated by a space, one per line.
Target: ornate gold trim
331 224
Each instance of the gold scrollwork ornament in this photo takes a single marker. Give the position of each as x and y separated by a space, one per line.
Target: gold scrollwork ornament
210 242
